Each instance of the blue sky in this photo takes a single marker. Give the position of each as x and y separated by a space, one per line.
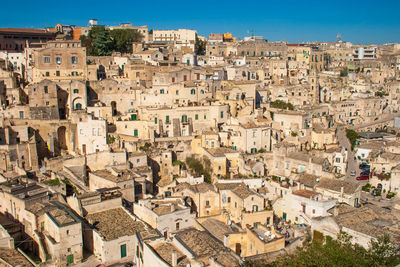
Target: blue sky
291 20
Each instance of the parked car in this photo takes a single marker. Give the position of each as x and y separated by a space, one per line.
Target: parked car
363 164
366 168
364 177
353 173
365 172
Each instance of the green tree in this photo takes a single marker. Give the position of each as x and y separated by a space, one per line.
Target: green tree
340 252
352 136
383 252
282 105
200 168
123 39
103 45
200 46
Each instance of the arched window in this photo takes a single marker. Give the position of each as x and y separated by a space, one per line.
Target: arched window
78 106
76 91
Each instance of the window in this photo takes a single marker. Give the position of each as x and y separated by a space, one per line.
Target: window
184 118
222 114
45 89
123 251
207 203
229 199
177 226
196 117
235 204
58 60
155 120
46 59
47 103
177 92
268 221
167 119
135 132
67 232
219 168
76 91
47 74
57 73
193 92
74 60
78 106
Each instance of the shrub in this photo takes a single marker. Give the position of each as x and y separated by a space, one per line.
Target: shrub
352 136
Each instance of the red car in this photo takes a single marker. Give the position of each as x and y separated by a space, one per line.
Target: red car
364 177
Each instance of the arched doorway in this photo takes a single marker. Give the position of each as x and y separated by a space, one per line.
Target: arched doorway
114 108
61 137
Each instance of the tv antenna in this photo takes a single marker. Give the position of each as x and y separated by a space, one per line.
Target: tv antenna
251 32
339 37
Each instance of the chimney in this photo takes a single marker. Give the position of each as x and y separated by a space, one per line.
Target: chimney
174 258
335 211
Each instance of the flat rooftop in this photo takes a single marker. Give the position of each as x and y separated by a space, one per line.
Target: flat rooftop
164 250
14 258
108 175
204 246
105 223
219 229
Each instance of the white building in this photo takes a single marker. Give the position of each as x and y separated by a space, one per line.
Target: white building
92 136
184 36
365 53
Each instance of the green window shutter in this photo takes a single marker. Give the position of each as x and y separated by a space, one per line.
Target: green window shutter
135 132
70 259
123 251
167 119
196 117
155 120
222 114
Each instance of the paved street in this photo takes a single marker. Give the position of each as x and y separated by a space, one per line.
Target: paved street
352 164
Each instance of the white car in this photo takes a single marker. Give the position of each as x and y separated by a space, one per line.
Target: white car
353 173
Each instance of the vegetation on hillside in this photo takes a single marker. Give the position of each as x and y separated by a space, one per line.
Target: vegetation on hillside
282 105
200 167
341 252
